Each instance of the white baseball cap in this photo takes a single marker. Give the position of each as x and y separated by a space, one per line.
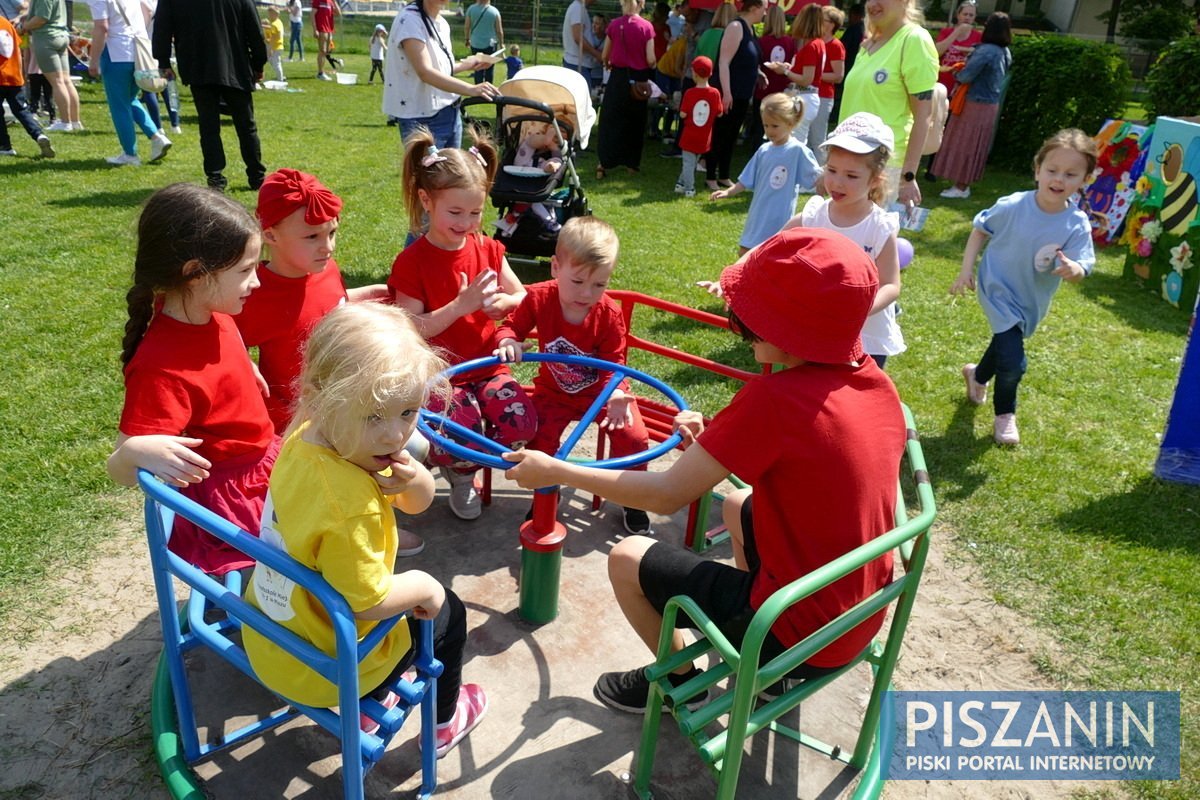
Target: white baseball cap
861 133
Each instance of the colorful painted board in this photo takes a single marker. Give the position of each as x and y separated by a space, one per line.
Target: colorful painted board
1121 161
1163 227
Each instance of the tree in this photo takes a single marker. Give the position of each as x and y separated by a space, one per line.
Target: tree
1151 20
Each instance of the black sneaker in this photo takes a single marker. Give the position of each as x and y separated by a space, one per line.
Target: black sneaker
627 691
637 521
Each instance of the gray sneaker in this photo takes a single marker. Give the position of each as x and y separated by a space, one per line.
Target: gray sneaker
464 498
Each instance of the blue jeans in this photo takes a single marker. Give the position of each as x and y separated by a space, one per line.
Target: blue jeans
123 104
488 74
445 125
1005 361
297 40
16 102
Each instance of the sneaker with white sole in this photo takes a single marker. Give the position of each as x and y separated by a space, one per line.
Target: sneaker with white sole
77 126
1004 431
59 126
628 691
464 497
159 145
976 391
124 160
47 148
321 76
472 707
955 193
9 152
636 521
176 129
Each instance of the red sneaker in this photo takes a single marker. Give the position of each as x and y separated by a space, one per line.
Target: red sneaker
370 726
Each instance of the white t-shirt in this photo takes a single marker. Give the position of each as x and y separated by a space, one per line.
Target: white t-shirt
577 14
881 334
295 11
405 95
119 41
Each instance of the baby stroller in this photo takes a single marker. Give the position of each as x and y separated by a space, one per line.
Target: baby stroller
558 98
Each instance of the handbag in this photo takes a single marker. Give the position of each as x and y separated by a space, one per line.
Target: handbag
146 73
639 87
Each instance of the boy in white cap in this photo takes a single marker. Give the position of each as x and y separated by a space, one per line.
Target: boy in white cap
819 442
378 52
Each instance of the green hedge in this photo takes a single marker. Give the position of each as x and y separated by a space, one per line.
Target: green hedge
1057 82
1172 86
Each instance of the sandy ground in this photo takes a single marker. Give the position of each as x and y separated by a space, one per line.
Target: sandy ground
76 678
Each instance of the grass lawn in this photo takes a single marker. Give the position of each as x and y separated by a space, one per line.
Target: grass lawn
1071 528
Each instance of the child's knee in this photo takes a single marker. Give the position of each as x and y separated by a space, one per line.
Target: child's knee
625 559
731 511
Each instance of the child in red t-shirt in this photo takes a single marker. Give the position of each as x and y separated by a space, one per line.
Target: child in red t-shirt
194 414
457 283
574 316
300 281
824 433
699 111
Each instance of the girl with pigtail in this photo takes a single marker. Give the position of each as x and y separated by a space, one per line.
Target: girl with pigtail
194 413
456 283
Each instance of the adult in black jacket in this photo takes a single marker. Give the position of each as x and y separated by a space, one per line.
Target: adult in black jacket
221 53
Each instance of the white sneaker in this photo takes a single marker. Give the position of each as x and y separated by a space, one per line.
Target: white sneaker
8 152
680 188
464 499
47 148
1004 431
976 391
176 129
76 126
59 126
323 77
954 193
159 145
124 160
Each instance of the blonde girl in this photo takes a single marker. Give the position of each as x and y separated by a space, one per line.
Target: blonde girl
857 154
775 173
1035 240
366 374
194 414
893 77
804 72
456 283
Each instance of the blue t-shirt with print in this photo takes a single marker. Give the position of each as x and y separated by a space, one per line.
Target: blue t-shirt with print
1016 282
775 174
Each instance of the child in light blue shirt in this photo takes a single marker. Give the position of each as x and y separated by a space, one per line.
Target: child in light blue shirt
1035 240
775 173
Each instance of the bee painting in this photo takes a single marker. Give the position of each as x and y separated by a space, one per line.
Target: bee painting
1179 200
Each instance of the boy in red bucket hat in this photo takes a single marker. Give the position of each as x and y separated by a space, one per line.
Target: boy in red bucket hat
819 442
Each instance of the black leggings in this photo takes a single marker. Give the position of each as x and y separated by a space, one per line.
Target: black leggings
725 132
449 641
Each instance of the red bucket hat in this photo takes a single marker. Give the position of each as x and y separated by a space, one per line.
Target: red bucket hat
807 291
286 190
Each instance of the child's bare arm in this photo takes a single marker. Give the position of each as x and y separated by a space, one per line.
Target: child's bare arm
415 590
737 188
508 295
170 458
965 282
376 292
888 265
471 295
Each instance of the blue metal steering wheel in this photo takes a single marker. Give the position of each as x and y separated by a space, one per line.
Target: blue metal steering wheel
438 428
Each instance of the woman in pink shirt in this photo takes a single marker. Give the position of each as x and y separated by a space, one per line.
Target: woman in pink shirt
629 54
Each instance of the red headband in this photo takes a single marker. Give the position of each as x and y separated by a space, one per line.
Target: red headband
286 190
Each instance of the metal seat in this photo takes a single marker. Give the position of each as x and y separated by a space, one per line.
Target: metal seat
214 614
735 710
